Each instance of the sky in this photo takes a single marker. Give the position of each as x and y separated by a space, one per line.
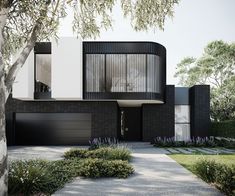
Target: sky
195 23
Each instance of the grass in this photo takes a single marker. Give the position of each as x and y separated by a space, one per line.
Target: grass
216 169
188 160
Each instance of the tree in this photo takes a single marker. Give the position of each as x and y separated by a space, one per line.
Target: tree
22 23
215 67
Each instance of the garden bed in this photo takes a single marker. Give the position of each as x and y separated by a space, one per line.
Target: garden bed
194 142
45 177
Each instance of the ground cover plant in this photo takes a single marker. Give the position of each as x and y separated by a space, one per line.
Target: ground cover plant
109 153
45 177
39 176
216 169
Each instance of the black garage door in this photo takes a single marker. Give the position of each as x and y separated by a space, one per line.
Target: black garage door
52 128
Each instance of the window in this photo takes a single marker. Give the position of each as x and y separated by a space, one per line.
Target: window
43 73
182 122
153 73
95 66
123 73
116 73
136 73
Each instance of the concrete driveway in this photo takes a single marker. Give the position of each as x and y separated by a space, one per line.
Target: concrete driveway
155 174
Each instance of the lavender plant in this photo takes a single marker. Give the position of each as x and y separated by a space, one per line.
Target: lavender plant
194 142
103 142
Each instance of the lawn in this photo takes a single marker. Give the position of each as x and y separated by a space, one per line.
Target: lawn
188 160
218 170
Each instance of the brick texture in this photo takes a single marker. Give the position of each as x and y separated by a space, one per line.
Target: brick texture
104 114
158 120
199 98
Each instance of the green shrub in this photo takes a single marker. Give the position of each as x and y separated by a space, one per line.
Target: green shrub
225 142
223 176
62 171
76 153
29 177
95 168
38 176
206 168
225 179
223 129
118 153
44 177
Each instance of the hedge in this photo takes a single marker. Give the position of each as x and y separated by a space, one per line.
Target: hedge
223 129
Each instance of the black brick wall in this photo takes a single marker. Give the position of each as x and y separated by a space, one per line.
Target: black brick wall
159 119
104 114
199 97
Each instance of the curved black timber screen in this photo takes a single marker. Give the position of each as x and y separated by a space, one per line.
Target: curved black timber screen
124 70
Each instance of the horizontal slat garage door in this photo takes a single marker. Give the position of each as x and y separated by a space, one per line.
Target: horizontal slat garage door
52 128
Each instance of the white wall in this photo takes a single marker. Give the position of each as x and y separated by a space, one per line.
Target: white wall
23 88
66 68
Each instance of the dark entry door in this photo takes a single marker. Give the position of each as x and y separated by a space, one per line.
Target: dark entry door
131 124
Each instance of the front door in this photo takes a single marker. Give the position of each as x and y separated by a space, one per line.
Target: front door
131 124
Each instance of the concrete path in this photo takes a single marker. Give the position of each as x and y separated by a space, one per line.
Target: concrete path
155 174
37 152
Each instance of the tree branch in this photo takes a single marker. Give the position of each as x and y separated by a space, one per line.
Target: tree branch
10 78
22 58
3 19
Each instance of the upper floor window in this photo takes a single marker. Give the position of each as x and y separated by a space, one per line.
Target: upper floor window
43 73
122 73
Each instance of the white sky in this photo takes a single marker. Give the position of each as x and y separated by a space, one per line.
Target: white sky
195 23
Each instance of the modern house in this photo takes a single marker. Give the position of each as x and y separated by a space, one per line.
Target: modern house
70 91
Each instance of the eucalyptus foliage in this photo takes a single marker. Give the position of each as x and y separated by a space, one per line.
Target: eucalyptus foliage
215 67
24 22
90 16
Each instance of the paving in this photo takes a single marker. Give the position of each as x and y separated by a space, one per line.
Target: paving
155 174
198 150
37 152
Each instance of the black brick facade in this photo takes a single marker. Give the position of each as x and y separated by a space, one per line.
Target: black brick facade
158 120
104 114
199 98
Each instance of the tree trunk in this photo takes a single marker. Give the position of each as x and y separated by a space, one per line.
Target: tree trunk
6 82
3 144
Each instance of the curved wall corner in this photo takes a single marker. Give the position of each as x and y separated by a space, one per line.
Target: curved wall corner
111 60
